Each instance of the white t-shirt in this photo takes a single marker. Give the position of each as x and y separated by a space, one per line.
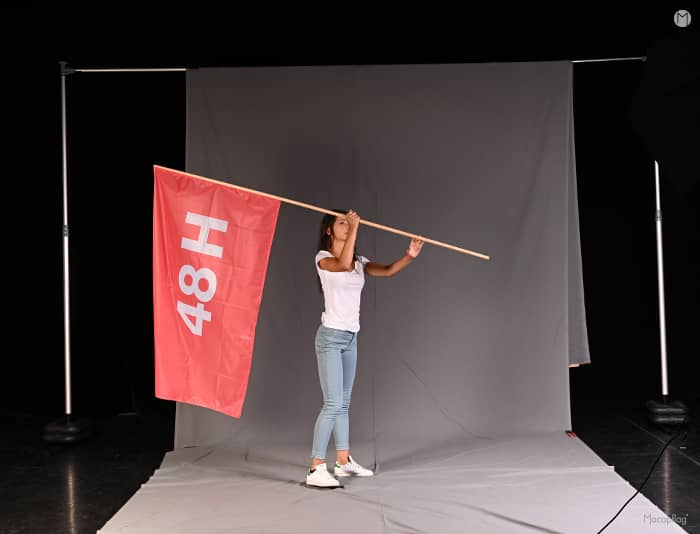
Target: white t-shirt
341 293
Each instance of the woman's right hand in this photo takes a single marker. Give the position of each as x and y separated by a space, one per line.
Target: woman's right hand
353 219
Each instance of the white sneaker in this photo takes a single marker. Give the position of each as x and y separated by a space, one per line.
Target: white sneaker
352 468
321 477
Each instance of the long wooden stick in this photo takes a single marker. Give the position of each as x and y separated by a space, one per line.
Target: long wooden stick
322 210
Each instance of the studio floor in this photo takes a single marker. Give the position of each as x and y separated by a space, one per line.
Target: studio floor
50 488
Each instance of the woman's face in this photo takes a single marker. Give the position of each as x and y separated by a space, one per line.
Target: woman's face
340 229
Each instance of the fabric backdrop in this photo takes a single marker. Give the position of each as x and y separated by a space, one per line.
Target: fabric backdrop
455 347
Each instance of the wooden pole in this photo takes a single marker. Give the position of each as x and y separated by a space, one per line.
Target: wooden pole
330 212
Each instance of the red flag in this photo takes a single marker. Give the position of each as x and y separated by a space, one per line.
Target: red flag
211 245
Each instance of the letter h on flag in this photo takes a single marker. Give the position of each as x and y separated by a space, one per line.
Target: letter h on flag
211 246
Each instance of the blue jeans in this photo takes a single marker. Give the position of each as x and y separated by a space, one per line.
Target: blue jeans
336 353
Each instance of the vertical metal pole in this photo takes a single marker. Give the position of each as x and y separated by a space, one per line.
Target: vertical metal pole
66 274
65 430
660 270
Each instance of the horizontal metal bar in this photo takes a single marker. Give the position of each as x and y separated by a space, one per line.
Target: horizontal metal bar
642 58
161 69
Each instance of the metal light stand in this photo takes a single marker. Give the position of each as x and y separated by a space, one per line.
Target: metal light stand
66 429
663 412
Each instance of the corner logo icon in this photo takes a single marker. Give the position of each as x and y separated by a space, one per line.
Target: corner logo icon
682 18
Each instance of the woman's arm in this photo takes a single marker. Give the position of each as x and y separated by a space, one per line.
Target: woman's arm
377 269
346 261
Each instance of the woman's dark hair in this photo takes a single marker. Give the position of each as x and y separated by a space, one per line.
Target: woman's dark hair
324 240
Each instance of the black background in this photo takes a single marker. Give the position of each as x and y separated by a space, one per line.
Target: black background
627 114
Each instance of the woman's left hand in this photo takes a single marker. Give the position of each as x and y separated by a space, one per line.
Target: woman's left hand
414 248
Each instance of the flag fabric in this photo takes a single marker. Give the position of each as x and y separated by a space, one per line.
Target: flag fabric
211 246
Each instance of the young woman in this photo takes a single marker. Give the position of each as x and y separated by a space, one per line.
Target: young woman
341 275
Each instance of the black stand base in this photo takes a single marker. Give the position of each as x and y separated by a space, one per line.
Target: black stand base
667 413
67 430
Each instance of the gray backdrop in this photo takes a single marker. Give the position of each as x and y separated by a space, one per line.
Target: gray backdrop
454 348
